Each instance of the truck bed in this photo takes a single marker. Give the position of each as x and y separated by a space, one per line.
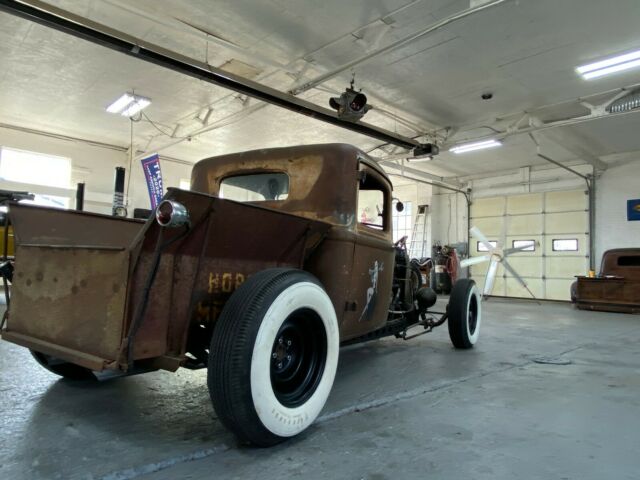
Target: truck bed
103 292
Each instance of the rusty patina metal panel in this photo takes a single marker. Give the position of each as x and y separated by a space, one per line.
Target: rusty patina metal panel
322 178
228 242
70 281
69 228
72 297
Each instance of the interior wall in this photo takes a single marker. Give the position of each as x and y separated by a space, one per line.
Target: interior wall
417 194
614 187
448 217
94 165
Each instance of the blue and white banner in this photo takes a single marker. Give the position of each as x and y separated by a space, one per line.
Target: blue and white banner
153 175
633 210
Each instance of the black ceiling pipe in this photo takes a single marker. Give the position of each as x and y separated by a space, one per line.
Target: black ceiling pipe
114 40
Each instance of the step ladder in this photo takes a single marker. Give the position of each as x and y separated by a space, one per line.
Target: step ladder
418 247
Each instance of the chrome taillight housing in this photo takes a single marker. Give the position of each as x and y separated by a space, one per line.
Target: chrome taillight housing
172 214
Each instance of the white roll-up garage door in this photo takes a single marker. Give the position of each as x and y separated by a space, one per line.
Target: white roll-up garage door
557 221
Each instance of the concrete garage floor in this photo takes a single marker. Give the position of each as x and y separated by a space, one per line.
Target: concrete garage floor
416 409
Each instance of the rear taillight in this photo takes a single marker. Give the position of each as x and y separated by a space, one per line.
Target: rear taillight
172 214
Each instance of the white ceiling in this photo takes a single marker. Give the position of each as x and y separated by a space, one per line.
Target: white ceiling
523 51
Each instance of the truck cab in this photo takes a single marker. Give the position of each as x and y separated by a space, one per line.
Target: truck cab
337 184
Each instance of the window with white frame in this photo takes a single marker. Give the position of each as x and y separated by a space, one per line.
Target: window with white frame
564 245
403 223
524 245
481 247
40 169
185 184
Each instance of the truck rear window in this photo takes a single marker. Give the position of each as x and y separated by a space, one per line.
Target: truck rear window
629 261
258 187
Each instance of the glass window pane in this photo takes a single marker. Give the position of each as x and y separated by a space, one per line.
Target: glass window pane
525 245
482 248
258 187
565 245
370 205
48 201
35 168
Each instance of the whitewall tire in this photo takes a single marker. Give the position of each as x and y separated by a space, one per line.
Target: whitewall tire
465 314
273 356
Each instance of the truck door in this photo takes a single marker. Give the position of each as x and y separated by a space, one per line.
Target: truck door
373 260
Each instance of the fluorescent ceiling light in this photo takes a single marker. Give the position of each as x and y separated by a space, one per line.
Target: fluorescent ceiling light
470 147
129 104
138 104
420 158
610 65
120 104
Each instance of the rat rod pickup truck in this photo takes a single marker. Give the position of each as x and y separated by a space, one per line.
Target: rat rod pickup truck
616 289
272 261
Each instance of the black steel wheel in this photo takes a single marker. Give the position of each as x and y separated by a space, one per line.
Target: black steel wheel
66 370
298 357
465 314
273 356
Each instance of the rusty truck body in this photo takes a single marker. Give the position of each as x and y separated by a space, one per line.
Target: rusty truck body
259 273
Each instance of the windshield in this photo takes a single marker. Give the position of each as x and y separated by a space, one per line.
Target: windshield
258 187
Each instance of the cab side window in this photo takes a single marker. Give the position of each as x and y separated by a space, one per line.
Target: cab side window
371 202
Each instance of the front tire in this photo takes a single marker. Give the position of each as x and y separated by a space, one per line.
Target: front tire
273 356
465 314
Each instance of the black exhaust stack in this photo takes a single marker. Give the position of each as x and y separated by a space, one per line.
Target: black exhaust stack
80 197
118 194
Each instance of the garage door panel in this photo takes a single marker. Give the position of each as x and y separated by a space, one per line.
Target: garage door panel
520 204
515 289
498 286
543 218
525 224
558 289
565 267
526 267
481 269
571 222
490 226
488 207
566 200
478 270
583 245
